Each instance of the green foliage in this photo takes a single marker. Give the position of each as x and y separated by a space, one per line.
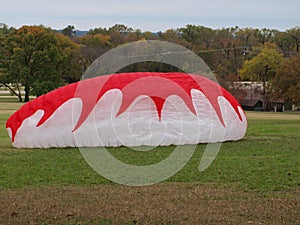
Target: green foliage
266 35
40 59
120 28
4 29
69 31
70 66
32 57
285 42
36 58
263 66
97 40
247 37
98 30
286 83
294 34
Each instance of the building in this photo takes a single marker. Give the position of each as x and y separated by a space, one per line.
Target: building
253 99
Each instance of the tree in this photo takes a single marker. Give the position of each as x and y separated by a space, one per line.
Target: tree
71 66
262 68
266 35
285 42
4 30
286 83
32 58
174 36
294 33
121 28
148 36
118 34
97 40
227 41
199 36
98 30
247 37
9 80
69 31
92 46
191 33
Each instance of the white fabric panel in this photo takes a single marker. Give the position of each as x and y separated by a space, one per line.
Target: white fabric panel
139 125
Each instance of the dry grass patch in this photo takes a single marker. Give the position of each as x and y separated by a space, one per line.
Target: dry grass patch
170 203
9 107
273 115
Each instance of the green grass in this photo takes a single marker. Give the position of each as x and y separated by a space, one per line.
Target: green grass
267 159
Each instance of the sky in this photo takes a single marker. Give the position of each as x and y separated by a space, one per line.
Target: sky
154 15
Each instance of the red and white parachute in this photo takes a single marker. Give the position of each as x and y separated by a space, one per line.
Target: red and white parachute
130 109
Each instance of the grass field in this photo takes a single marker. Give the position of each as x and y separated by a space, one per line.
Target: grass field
255 180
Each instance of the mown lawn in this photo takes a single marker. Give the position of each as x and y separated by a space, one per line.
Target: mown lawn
267 159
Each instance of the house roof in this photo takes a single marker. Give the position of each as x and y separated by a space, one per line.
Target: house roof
249 103
277 100
253 95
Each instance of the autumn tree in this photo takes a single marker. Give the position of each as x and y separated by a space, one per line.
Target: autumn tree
93 46
262 68
4 29
71 66
285 42
98 30
69 31
286 82
149 36
97 40
247 37
294 33
191 34
266 35
174 36
33 58
9 80
199 36
118 34
226 40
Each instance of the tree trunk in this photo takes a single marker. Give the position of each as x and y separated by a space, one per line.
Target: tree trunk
265 100
18 94
26 99
227 52
20 98
265 94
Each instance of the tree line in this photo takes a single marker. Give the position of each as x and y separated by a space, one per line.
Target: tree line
41 59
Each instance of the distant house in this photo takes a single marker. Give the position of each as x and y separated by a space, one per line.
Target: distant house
253 99
277 105
252 105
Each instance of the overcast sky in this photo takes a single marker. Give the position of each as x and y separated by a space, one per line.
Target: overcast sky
154 15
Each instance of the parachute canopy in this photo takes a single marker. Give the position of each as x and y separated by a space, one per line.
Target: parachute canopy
130 109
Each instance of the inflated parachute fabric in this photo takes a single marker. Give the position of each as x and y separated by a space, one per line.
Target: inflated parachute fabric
130 109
